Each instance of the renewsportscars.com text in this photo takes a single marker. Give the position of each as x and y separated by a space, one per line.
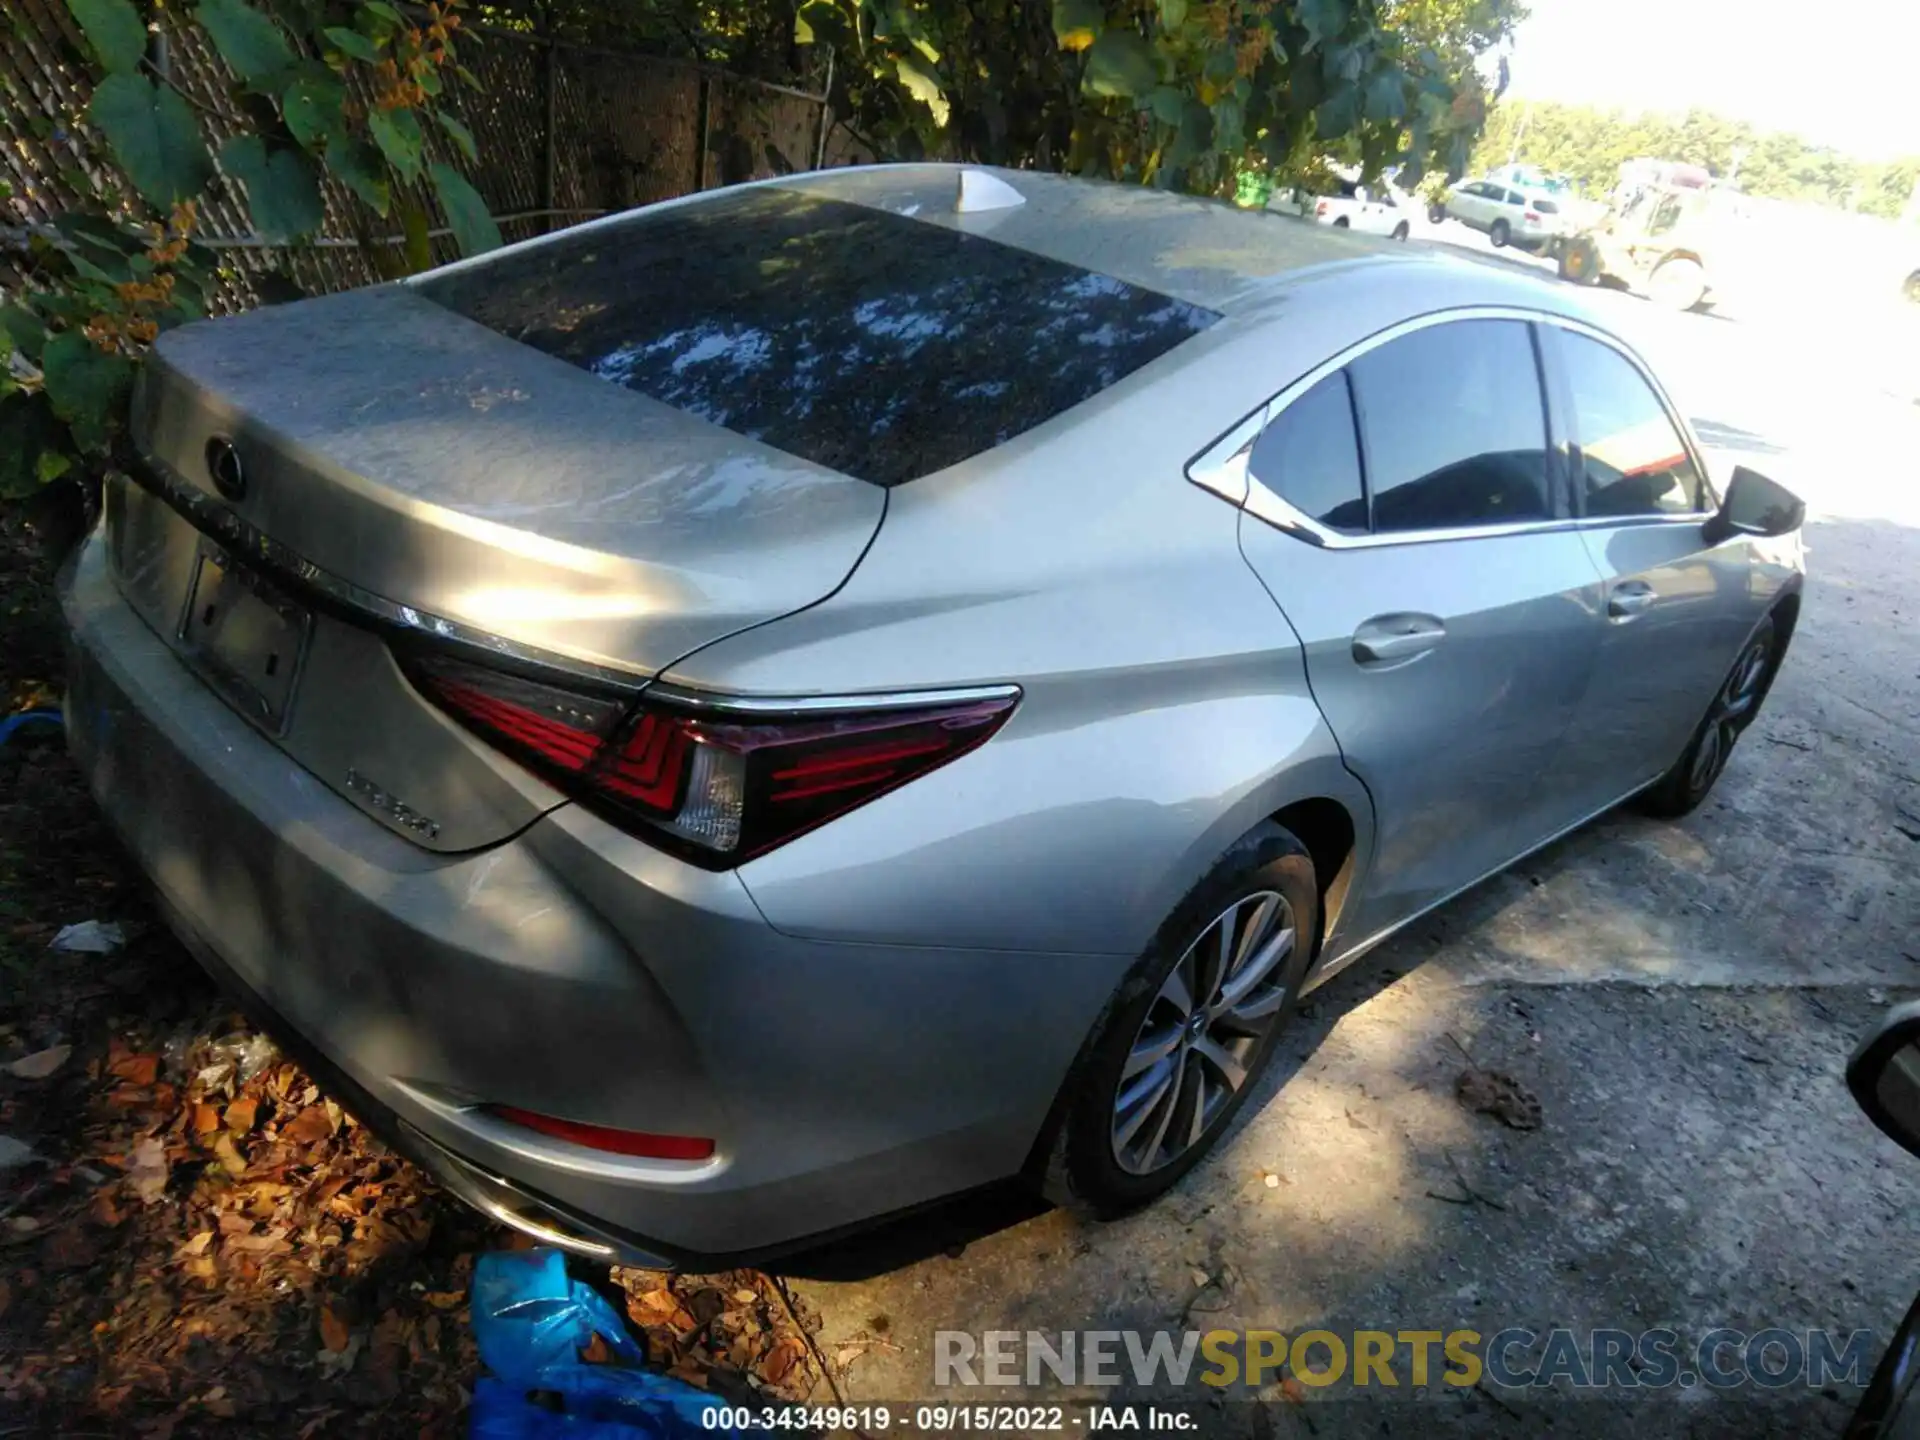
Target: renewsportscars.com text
1514 1358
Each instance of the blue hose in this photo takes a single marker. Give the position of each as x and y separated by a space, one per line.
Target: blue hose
28 717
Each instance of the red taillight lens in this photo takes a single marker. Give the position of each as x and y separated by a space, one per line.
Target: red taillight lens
1531 218
540 723
716 788
605 1137
1320 208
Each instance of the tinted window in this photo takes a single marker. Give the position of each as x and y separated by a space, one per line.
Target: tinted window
1455 431
1546 207
1634 460
1310 457
880 346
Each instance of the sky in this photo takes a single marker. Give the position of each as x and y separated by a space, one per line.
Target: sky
1749 59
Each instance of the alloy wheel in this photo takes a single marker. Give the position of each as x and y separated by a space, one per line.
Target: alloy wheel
1196 1045
1732 708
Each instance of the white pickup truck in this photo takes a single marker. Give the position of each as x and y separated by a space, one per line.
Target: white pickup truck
1348 205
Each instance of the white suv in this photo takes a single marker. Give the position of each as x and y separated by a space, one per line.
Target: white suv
1507 215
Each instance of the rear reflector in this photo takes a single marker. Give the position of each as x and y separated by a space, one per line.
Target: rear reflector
714 788
614 1142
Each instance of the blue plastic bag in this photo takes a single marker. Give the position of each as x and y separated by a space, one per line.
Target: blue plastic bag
531 1320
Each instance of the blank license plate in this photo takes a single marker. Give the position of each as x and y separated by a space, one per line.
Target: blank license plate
245 637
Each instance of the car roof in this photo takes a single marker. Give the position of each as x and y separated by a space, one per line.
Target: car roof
1205 252
1242 263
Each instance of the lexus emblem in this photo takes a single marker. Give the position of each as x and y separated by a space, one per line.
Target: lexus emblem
223 464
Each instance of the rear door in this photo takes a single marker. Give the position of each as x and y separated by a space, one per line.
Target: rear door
1678 609
1406 513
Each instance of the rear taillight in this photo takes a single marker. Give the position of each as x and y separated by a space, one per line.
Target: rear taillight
1320 208
714 786
1531 218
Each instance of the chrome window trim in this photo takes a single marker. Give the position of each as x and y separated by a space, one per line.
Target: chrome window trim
1222 467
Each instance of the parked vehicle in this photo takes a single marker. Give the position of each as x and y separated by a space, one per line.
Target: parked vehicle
1884 1076
772 708
1506 215
1662 236
1376 209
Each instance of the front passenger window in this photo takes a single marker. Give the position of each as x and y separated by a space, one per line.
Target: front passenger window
1634 460
1454 428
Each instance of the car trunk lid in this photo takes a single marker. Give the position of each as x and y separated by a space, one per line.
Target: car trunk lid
373 464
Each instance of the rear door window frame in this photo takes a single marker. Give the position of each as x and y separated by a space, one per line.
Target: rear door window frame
1223 466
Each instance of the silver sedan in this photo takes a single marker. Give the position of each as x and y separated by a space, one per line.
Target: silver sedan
759 713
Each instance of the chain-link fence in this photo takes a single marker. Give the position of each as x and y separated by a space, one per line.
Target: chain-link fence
565 131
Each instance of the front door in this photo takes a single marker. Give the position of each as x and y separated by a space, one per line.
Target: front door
1678 609
1447 607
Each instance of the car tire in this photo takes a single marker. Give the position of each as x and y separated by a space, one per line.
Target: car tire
1735 704
1500 234
1678 284
1165 1071
1579 261
1436 214
1402 230
1341 223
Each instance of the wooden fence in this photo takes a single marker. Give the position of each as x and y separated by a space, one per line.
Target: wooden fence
565 131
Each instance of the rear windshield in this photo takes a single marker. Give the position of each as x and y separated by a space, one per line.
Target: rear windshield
880 346
1546 207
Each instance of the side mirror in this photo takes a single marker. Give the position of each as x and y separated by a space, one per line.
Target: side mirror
1884 1075
1755 505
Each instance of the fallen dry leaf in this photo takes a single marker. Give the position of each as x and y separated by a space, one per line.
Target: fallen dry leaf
1294 1390
230 1158
745 1297
198 1244
597 1352
333 1330
1491 1092
445 1299
40 1064
147 1170
206 1119
136 1069
786 1353
310 1125
240 1114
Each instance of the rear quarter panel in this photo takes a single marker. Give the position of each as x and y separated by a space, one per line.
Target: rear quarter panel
1165 709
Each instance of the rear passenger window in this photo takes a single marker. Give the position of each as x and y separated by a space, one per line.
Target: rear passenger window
1634 461
1309 457
1454 426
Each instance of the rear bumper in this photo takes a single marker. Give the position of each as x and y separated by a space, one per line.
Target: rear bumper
572 971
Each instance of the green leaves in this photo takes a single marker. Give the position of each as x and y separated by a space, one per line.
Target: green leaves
397 133
1121 64
247 40
283 187
473 228
923 84
459 134
115 31
1322 19
153 135
352 42
28 434
359 167
314 108
1078 23
84 385
820 22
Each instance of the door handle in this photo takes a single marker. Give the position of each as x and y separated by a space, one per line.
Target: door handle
1626 601
1388 639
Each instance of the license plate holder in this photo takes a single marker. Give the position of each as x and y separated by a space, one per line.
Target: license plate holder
245 637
